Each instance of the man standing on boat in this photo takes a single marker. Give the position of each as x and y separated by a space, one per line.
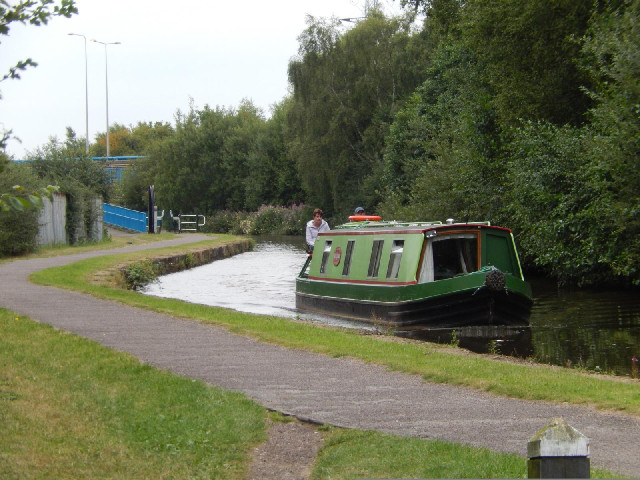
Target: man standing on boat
314 227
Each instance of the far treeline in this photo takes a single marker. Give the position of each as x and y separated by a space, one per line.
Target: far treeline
526 114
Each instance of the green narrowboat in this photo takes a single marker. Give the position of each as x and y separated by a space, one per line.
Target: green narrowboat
416 274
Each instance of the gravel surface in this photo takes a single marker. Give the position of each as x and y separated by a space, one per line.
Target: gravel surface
339 391
288 454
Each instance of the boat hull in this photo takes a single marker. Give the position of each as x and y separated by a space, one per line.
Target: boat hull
465 306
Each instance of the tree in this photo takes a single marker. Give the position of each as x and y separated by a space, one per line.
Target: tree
274 178
528 55
612 58
202 167
143 140
441 158
346 88
132 140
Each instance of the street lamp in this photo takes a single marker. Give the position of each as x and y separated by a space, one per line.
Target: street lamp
352 19
86 92
106 83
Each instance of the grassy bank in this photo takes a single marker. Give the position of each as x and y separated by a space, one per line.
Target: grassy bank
70 408
433 362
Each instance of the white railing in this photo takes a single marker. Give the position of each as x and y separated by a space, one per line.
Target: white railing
189 223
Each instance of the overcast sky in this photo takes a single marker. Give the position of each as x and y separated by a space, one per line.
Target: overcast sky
212 51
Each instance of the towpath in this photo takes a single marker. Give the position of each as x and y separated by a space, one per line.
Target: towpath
338 391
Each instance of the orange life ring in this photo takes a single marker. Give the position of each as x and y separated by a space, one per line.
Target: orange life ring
364 218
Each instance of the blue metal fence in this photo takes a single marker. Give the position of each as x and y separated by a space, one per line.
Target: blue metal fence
124 217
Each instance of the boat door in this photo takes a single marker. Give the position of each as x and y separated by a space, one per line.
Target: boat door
449 254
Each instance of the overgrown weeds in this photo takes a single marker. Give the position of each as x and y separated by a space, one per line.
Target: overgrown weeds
138 274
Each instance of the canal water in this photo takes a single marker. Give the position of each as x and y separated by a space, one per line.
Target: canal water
595 330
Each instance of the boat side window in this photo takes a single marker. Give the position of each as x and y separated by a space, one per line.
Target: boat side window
454 255
394 261
346 268
374 260
325 256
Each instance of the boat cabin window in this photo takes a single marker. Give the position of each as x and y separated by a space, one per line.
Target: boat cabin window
448 256
374 260
394 261
325 256
346 267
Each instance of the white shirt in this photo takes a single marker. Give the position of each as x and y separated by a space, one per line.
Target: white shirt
313 231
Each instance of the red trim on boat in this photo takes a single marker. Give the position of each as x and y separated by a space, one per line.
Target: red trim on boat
365 282
466 227
370 232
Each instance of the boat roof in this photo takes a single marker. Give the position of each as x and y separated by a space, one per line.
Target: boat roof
393 226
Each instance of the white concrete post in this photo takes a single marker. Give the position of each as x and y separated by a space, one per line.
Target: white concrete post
558 451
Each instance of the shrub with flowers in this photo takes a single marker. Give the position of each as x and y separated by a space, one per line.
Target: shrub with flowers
268 220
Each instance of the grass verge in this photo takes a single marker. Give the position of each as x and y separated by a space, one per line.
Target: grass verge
432 362
109 243
70 408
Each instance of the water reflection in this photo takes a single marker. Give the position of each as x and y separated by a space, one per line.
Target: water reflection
596 330
504 340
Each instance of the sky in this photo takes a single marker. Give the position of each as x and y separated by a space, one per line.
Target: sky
171 54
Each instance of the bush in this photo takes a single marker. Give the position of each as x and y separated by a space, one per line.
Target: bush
268 220
220 222
139 274
18 230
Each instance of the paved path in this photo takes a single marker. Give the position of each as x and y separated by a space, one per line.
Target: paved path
338 391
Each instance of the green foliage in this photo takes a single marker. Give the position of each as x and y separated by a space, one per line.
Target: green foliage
133 140
224 159
278 220
529 118
79 177
273 177
21 200
189 164
560 210
19 225
268 219
442 151
137 275
577 201
527 54
346 88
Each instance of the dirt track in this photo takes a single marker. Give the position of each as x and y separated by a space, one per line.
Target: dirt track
338 391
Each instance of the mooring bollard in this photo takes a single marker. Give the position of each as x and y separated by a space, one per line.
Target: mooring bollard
558 451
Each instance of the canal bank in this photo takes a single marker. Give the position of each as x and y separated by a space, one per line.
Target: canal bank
591 330
339 391
178 262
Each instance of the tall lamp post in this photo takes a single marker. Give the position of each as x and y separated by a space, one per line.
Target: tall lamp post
106 83
86 93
